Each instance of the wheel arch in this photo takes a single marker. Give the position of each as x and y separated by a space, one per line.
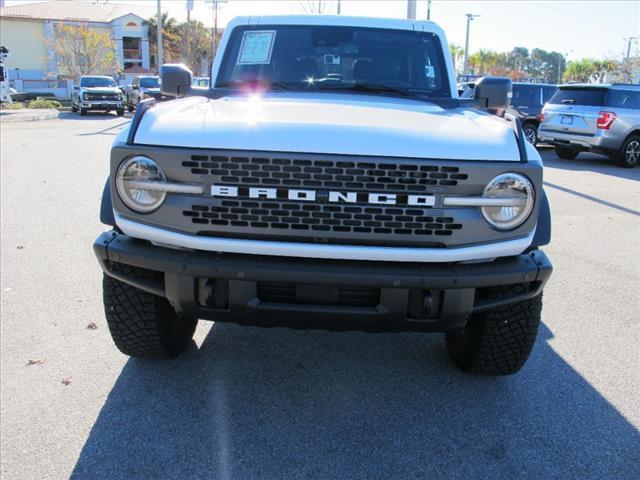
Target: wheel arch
106 206
543 228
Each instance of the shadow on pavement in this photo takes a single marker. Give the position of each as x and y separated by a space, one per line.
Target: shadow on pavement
588 162
272 403
90 116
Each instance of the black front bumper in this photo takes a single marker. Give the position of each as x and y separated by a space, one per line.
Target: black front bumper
325 294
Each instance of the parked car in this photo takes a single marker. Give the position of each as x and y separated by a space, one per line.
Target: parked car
595 118
351 204
527 101
97 93
201 82
144 86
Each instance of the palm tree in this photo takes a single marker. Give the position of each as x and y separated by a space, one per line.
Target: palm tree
170 38
456 52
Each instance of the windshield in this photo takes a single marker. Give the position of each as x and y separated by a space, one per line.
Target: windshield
150 82
333 58
97 82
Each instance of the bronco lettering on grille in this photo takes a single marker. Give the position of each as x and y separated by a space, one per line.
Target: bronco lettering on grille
322 196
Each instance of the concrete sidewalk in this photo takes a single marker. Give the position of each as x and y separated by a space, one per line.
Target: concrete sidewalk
28 115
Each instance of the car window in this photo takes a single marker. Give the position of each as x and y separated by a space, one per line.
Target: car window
623 99
149 82
313 57
547 93
579 96
91 82
526 95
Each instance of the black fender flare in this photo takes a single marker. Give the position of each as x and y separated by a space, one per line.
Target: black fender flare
543 229
106 207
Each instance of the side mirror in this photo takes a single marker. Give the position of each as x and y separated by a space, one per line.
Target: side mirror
175 79
76 87
493 92
135 87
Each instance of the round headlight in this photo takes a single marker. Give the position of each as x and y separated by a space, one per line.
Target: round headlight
130 177
517 193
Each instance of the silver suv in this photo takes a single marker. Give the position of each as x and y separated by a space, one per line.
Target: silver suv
595 118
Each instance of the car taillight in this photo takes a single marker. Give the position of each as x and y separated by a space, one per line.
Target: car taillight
541 117
605 120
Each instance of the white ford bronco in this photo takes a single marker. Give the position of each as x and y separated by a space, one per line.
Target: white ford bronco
330 178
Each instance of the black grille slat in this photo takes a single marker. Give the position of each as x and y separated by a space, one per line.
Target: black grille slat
341 218
321 221
254 171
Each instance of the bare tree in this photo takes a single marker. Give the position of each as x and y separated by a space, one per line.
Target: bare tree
80 50
315 6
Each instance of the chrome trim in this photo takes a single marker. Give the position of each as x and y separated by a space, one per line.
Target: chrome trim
311 250
483 202
168 187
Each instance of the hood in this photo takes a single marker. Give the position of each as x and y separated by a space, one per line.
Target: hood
331 124
101 89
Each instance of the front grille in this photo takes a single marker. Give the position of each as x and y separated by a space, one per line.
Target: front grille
101 96
346 175
319 221
294 216
276 292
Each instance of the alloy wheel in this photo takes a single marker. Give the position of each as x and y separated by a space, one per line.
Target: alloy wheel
632 153
531 135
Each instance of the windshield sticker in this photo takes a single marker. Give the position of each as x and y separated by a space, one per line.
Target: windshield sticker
256 47
429 71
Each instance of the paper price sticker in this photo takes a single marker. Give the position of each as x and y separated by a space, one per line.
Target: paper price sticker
256 47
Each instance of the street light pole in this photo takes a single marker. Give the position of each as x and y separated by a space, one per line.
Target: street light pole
428 9
159 22
629 46
470 17
411 9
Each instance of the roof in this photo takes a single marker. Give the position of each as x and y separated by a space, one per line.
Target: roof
338 21
613 86
72 10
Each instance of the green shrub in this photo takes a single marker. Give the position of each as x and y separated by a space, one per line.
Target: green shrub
13 106
44 103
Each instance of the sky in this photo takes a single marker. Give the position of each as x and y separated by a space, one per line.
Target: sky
577 28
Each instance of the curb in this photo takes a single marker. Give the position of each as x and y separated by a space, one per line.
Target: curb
28 116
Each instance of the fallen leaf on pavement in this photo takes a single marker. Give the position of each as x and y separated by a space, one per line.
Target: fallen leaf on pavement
66 381
35 362
92 326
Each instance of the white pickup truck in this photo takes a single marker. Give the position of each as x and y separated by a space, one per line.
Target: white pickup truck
330 178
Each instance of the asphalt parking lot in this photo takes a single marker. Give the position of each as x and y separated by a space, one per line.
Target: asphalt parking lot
247 403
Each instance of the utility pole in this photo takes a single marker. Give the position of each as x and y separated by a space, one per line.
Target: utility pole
428 9
187 40
411 9
159 22
338 9
629 46
470 17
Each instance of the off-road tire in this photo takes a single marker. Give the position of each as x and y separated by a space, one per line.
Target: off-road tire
120 112
498 342
566 153
530 133
627 157
73 108
142 324
130 107
83 112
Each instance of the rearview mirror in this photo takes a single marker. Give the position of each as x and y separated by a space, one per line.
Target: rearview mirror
493 92
175 79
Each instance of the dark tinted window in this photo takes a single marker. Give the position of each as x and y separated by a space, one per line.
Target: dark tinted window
623 99
547 93
90 82
527 95
1 73
149 82
579 96
317 57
